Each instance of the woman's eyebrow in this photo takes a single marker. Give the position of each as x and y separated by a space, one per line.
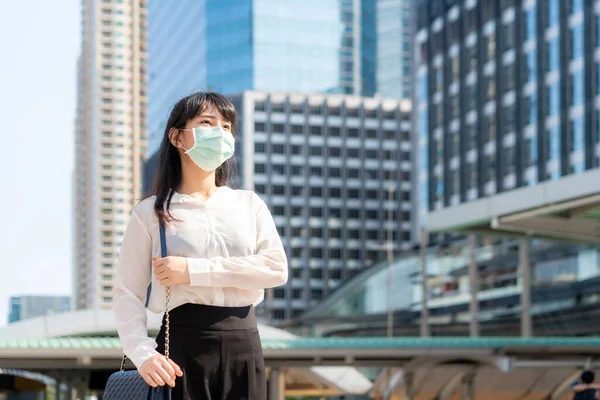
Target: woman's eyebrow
205 116
211 116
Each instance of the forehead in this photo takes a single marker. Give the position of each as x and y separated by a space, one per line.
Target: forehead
210 111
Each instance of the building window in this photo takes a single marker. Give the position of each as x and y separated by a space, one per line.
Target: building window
316 191
259 147
278 148
333 111
316 212
277 107
297 108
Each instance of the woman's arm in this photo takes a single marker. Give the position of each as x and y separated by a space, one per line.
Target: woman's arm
132 277
267 268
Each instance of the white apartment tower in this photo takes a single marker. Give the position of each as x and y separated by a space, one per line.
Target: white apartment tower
110 140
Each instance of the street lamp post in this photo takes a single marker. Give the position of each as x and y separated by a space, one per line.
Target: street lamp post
390 259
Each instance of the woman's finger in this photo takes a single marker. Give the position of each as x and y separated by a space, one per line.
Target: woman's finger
162 275
157 376
168 367
165 376
149 380
177 368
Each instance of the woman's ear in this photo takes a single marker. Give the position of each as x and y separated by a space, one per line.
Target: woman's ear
174 137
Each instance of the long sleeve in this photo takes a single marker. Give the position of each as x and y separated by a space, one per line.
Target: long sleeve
266 268
133 275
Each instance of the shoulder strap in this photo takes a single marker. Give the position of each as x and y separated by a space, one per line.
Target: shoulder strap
163 253
163 241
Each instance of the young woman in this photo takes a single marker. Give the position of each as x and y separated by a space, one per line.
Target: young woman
223 250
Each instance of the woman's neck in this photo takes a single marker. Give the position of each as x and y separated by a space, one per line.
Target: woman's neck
195 181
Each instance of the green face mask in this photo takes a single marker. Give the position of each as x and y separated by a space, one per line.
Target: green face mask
212 147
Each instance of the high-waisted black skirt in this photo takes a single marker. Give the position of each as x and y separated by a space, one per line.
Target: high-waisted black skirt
220 353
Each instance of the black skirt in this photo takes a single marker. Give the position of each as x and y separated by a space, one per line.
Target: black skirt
219 351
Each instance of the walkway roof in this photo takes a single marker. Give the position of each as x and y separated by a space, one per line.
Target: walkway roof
526 368
87 339
567 209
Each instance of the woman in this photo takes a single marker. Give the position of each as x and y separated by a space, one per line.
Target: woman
223 250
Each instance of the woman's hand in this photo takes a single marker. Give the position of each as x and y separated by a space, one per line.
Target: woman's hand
158 370
171 270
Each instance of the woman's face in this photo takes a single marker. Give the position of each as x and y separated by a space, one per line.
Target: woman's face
209 118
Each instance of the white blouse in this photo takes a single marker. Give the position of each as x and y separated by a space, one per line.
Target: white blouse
233 252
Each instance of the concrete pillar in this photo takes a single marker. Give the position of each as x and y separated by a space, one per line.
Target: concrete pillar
409 387
469 387
57 391
72 392
79 392
423 274
474 283
276 384
525 273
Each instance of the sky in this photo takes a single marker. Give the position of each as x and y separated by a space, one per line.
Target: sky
39 45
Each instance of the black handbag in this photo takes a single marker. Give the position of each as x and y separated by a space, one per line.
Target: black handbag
129 385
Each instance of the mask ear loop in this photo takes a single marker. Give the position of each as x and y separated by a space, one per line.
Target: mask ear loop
186 151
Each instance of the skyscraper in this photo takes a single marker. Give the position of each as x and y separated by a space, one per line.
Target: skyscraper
386 45
355 47
110 142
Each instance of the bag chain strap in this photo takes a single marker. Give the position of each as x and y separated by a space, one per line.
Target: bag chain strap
163 250
167 330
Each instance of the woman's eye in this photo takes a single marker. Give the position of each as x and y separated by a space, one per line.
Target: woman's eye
205 122
227 127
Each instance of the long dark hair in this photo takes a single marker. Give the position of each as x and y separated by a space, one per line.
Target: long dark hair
168 171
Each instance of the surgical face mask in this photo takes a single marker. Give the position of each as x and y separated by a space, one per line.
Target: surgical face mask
212 147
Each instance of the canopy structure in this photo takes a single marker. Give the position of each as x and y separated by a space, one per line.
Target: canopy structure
565 209
86 341
415 368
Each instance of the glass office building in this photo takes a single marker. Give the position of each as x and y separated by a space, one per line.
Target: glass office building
506 113
308 46
506 95
25 307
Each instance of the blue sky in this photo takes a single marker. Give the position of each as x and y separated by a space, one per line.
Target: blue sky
39 44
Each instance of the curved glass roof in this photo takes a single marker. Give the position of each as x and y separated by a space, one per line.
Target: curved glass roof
448 281
367 293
